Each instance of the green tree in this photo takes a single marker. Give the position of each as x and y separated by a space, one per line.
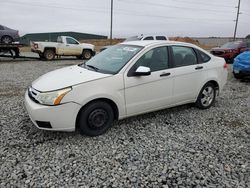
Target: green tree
248 37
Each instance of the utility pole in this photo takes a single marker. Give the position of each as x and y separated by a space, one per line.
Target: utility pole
237 19
111 23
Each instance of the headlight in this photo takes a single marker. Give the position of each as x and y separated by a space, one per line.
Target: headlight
52 98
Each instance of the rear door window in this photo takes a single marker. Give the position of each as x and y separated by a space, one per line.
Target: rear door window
161 38
183 56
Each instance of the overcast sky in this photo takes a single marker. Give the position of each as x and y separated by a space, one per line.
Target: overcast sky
169 17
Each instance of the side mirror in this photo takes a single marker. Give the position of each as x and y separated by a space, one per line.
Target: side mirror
142 71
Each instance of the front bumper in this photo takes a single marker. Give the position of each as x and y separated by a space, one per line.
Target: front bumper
61 117
241 73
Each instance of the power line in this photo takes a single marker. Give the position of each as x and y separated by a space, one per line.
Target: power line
202 3
118 11
132 13
176 7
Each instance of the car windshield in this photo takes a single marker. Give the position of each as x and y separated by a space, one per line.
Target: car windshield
111 60
231 45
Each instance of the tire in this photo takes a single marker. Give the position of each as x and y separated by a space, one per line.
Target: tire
96 118
49 54
86 54
237 76
206 96
6 39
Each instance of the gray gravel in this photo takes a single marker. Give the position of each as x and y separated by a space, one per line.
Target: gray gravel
177 147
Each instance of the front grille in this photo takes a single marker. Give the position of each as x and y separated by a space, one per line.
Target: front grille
44 124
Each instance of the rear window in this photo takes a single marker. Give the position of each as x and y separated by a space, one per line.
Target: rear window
232 44
203 57
161 38
59 39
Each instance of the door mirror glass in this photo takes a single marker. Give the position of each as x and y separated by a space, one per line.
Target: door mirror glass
142 71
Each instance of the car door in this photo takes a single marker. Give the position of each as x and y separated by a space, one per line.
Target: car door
151 92
72 47
188 74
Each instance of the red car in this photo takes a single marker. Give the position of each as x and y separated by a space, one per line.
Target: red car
231 49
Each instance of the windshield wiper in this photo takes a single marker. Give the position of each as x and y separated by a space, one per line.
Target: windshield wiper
93 67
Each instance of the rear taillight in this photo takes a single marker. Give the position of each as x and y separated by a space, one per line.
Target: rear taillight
225 66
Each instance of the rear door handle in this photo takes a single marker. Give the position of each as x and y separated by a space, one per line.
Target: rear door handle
199 67
165 74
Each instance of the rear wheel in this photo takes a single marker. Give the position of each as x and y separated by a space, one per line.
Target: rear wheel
96 118
86 54
206 96
49 54
6 39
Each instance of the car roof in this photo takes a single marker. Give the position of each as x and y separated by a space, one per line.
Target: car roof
145 43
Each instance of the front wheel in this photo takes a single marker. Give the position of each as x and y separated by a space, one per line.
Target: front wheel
96 118
206 96
87 54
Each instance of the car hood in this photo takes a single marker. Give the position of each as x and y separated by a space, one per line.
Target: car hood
66 77
86 45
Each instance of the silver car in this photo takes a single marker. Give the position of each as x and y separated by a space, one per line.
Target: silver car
8 35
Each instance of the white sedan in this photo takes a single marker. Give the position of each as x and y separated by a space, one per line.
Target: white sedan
125 80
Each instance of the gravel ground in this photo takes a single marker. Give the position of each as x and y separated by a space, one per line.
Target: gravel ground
177 147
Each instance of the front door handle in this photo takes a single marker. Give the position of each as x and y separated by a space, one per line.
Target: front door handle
198 67
165 74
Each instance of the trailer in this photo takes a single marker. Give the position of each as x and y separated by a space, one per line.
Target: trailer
11 49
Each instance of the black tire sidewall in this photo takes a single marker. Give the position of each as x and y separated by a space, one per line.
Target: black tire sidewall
84 114
49 51
84 52
198 101
2 39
